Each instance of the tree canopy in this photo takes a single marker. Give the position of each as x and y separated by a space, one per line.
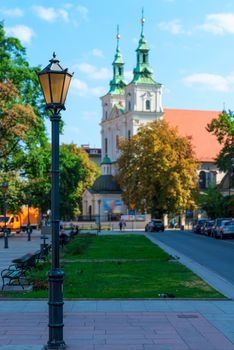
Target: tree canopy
158 170
223 129
215 204
25 152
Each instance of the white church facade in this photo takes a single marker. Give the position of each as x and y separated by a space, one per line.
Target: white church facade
124 108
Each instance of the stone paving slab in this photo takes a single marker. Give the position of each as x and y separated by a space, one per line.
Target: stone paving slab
110 331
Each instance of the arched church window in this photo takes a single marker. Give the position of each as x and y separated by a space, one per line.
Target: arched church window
120 71
202 180
147 105
129 134
129 105
90 212
144 58
106 114
106 145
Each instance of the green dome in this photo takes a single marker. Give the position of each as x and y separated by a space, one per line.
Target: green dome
106 160
105 184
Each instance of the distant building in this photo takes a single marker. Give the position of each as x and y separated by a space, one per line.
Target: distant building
95 154
124 108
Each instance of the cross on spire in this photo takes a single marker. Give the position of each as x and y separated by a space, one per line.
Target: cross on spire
142 21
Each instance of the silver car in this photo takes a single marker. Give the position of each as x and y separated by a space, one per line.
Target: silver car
226 228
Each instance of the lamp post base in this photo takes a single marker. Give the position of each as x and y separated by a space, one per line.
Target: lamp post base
55 310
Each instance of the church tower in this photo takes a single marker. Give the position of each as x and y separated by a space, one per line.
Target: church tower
113 105
124 108
143 95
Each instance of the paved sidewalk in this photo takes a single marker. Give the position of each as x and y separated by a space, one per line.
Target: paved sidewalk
122 325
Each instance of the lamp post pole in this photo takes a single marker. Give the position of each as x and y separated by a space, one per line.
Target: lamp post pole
28 225
4 188
5 228
55 82
99 215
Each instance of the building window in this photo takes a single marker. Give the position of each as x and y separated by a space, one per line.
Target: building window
129 105
120 71
129 134
202 180
106 114
147 105
144 60
106 145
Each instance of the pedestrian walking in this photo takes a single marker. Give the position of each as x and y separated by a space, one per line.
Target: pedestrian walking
120 225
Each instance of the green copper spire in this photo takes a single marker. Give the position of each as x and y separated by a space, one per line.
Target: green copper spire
118 83
142 73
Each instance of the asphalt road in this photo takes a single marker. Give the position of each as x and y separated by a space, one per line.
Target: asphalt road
215 254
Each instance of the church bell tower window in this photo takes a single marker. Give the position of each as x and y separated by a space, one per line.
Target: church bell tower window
106 146
147 105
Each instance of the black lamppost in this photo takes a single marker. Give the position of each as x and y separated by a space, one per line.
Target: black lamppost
28 225
55 82
99 215
4 188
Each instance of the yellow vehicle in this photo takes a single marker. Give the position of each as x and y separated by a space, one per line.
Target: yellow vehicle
19 222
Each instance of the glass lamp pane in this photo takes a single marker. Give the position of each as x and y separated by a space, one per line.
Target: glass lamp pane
44 80
56 80
66 87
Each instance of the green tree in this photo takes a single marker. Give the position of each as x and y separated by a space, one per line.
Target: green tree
16 120
22 127
213 203
158 170
21 99
223 129
77 173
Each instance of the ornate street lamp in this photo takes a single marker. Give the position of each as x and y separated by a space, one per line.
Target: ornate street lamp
28 225
55 82
3 189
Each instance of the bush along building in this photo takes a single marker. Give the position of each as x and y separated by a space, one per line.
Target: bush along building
124 108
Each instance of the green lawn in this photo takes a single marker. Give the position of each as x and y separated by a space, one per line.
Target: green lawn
119 267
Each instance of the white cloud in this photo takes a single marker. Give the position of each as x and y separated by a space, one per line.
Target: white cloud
219 23
11 12
97 53
82 89
174 27
50 14
21 32
94 72
83 11
210 81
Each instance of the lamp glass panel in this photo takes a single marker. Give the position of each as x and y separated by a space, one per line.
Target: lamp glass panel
66 87
44 80
56 80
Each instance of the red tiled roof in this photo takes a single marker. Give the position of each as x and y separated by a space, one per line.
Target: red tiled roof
193 123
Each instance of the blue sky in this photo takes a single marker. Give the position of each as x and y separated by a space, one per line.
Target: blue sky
191 50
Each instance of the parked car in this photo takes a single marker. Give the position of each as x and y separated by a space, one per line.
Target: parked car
198 225
207 228
217 224
226 229
155 225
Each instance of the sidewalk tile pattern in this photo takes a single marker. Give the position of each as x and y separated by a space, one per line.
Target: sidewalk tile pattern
116 331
